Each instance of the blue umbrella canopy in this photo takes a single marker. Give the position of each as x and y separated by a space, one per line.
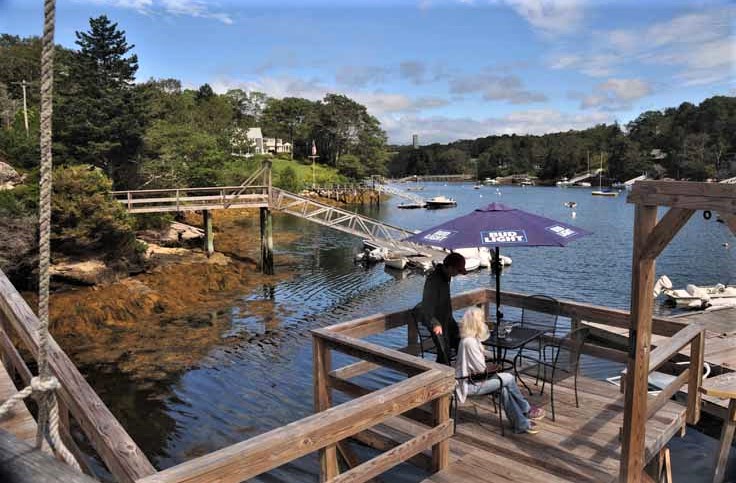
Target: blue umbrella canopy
499 225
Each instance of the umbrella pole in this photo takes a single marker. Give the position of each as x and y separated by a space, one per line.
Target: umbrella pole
497 268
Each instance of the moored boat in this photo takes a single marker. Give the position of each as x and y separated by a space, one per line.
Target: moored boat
398 263
440 202
694 296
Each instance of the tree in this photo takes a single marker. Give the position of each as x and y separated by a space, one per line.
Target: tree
289 118
288 179
98 118
248 107
204 93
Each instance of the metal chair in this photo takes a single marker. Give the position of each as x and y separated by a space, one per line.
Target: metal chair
428 345
572 346
535 319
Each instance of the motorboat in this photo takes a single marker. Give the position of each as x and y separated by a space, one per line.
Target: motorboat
584 184
527 182
440 202
398 263
483 255
608 193
570 204
410 206
477 187
696 297
490 182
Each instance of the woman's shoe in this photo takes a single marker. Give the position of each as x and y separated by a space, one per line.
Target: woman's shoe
532 429
536 413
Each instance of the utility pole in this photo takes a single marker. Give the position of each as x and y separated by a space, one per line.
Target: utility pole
24 84
313 157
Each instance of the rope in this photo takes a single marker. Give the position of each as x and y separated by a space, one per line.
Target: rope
44 386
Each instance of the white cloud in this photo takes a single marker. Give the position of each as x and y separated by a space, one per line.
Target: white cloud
616 94
191 8
495 88
699 46
360 76
550 17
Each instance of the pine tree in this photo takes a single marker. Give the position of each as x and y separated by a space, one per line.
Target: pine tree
99 117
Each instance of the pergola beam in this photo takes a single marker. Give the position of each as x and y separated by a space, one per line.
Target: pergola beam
666 229
685 194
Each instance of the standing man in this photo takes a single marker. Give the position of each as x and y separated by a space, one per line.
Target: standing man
435 310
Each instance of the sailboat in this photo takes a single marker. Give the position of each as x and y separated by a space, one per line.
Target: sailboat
600 191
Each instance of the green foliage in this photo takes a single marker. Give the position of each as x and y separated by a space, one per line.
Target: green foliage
288 180
98 118
85 218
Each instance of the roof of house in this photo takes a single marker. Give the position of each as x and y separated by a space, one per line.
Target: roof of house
254 133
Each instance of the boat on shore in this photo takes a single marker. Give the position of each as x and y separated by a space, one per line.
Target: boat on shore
440 202
399 263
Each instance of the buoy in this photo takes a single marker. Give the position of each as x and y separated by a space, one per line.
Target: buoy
725 244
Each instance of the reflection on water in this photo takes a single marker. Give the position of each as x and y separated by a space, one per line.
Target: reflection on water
248 385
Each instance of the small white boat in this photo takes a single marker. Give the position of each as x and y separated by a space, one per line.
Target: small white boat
527 182
584 184
440 202
570 204
377 254
477 187
398 263
410 206
490 181
610 194
472 264
483 255
696 297
563 183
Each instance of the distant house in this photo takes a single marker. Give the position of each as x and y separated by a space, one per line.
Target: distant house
263 145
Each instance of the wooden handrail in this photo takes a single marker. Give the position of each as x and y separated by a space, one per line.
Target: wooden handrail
674 345
262 453
116 448
202 188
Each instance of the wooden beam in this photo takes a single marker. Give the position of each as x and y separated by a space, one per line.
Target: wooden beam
117 449
674 345
666 393
640 333
22 463
397 455
262 453
323 401
441 448
697 356
666 229
685 194
729 426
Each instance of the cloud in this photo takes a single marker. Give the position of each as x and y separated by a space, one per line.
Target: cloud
190 8
360 76
444 129
413 71
549 17
615 94
495 88
700 47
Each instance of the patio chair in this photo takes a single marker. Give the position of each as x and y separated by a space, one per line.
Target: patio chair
561 368
547 321
428 345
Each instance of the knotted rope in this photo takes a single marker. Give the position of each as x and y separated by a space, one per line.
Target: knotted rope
44 386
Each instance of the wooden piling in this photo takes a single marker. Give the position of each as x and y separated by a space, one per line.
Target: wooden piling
209 236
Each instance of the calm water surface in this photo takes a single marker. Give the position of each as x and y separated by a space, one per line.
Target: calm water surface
243 389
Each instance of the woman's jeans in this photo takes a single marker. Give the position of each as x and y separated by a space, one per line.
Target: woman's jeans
514 404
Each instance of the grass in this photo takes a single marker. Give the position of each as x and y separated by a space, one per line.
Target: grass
323 174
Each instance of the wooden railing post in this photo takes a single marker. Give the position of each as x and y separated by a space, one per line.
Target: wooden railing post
697 354
441 450
323 401
412 338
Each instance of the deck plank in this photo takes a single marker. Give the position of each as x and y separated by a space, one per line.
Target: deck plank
582 445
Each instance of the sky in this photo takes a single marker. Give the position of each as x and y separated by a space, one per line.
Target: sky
442 69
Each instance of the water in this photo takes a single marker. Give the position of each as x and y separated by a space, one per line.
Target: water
242 389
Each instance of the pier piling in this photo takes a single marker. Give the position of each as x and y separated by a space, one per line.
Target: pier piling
209 236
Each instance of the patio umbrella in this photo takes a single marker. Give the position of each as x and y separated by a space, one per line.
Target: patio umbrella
498 225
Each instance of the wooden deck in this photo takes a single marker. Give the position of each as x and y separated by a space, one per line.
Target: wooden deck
20 422
582 445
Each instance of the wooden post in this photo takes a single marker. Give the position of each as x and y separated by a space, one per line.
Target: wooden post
412 338
695 378
441 450
266 242
209 245
640 334
322 401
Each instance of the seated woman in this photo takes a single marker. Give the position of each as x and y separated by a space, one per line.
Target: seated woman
473 378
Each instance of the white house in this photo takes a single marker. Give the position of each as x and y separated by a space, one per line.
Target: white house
255 143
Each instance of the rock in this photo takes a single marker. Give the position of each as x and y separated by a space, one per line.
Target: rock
19 251
9 177
175 235
88 272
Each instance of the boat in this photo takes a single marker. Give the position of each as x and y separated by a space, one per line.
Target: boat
477 187
398 263
659 380
584 184
440 202
563 183
483 255
600 191
618 185
570 204
527 182
377 254
416 188
490 181
410 206
696 297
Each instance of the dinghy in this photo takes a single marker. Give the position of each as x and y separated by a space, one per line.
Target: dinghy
695 297
398 263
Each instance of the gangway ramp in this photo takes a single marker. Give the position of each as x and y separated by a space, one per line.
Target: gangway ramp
384 188
631 182
580 177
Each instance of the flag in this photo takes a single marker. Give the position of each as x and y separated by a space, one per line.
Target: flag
314 148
